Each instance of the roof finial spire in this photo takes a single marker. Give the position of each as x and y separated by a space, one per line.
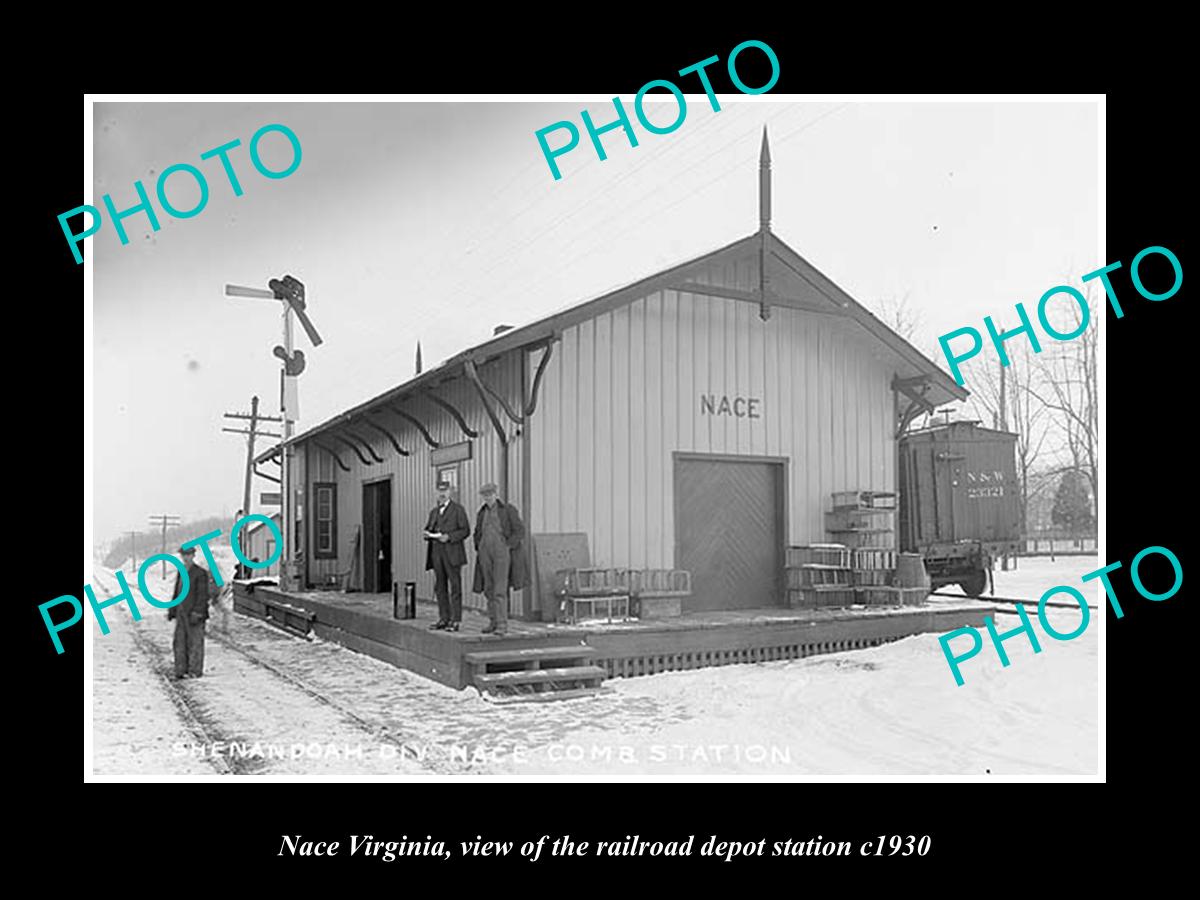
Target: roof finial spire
764 184
764 227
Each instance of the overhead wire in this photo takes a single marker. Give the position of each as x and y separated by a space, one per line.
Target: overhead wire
530 287
722 125
596 229
453 247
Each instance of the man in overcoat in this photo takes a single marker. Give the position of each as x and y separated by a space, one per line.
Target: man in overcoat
499 556
445 531
190 616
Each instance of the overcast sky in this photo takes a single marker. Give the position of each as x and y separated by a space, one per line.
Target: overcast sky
437 221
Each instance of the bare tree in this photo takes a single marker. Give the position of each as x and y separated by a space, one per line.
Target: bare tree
899 315
1024 414
1069 390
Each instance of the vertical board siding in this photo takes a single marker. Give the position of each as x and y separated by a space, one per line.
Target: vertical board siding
652 525
620 395
627 386
413 476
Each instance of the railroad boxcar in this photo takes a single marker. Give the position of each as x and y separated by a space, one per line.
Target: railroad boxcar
959 501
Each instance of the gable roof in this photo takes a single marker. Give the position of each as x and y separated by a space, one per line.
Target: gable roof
824 297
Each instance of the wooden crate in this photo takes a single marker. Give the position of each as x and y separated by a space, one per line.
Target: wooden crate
659 607
593 582
854 519
599 607
873 538
815 575
829 596
864 500
819 554
872 558
660 582
836 599
846 499
872 577
878 595
802 599
891 596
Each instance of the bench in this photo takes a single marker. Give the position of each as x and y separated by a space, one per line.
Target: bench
571 588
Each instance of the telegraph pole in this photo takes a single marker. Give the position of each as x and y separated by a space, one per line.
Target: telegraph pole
163 520
255 418
133 547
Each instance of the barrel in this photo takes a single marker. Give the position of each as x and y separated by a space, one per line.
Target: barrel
910 571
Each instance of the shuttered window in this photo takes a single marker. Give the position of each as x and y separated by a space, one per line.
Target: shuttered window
325 520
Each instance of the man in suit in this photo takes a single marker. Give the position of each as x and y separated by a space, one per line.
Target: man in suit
500 556
445 531
190 614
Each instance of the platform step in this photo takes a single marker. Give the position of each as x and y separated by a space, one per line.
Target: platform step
531 655
540 676
291 619
545 696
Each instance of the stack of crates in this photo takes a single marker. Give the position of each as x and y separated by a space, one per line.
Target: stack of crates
863 520
874 576
819 576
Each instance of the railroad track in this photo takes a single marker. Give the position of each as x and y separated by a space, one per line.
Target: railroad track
163 669
207 735
371 728
202 735
1012 600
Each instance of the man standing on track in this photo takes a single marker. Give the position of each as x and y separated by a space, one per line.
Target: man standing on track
190 615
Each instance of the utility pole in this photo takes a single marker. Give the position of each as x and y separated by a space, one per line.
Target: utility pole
1003 427
290 292
253 433
163 520
1003 414
133 547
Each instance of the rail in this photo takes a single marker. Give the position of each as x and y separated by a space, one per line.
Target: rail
1012 600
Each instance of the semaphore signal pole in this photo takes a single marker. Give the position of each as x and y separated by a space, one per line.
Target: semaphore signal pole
290 292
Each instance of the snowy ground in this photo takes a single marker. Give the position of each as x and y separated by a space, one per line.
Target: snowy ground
890 710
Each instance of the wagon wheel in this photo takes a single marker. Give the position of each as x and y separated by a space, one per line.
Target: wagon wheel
973 586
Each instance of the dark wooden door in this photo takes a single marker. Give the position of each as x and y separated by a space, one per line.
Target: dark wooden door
729 532
377 537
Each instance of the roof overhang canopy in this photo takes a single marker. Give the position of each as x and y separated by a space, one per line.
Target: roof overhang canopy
790 281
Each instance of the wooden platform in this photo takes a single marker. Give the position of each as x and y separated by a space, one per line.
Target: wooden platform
363 622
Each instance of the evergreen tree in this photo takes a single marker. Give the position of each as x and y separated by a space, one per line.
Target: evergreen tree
1072 503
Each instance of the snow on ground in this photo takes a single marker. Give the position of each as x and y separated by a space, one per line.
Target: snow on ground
239 717
134 721
892 710
1037 574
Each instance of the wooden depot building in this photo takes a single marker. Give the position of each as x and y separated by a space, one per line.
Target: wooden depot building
698 419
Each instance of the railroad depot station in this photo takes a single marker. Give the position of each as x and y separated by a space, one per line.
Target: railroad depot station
686 454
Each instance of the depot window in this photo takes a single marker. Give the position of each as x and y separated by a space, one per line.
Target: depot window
325 520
